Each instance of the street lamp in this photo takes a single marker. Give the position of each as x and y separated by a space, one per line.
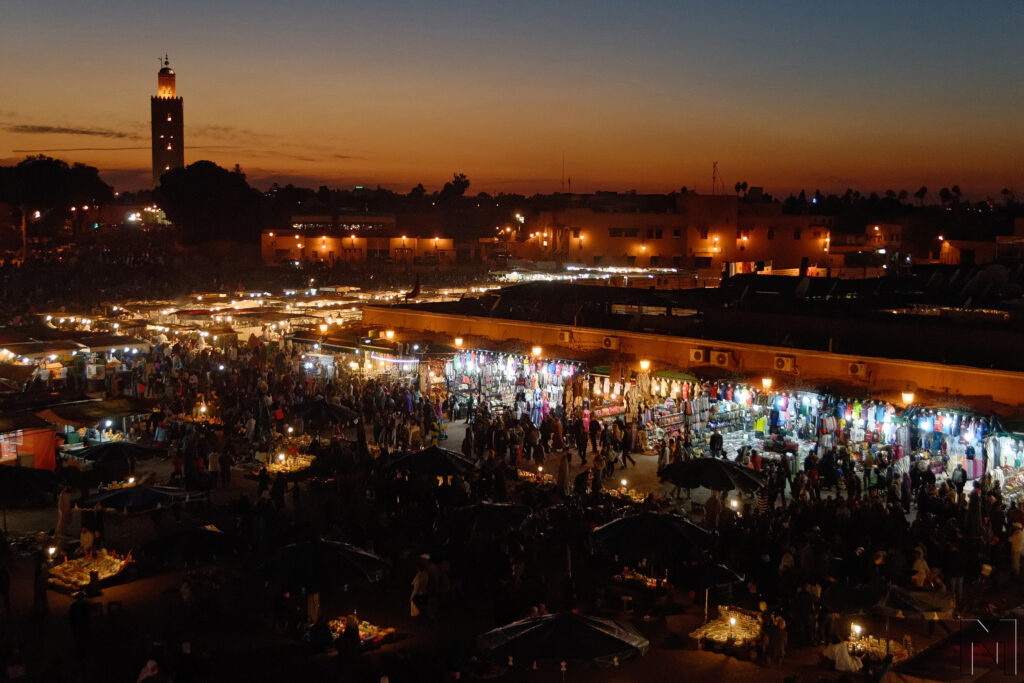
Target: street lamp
645 365
390 334
458 341
908 397
536 350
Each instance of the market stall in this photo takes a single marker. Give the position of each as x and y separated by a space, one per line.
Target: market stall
526 385
101 567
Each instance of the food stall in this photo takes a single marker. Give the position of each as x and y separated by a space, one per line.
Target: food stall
735 631
75 574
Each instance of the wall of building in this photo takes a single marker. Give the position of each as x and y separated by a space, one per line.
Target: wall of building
279 247
883 377
703 232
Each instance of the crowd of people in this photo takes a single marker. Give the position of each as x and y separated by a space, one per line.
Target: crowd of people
814 533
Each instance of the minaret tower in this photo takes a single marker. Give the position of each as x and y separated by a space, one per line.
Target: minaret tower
168 126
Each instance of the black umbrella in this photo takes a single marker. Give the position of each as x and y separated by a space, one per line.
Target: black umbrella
648 535
201 543
115 460
906 603
118 450
480 519
434 461
133 500
319 565
712 473
19 485
564 637
319 411
704 575
847 599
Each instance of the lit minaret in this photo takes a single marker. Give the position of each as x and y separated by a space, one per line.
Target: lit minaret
168 125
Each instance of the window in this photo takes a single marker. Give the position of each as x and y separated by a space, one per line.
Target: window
623 232
650 233
576 233
702 262
168 117
796 234
677 234
657 233
771 233
817 234
704 233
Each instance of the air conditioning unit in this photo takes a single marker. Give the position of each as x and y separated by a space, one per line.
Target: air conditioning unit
785 363
565 336
611 343
721 358
700 356
858 370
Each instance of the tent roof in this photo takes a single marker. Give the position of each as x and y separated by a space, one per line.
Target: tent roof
10 422
88 413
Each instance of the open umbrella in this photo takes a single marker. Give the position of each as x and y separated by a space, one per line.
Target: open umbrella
712 473
133 500
480 519
703 575
851 599
669 537
319 411
118 450
320 565
905 603
115 460
434 461
564 637
19 485
196 544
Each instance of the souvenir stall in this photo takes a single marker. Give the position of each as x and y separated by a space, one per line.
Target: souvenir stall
771 421
611 392
534 386
945 438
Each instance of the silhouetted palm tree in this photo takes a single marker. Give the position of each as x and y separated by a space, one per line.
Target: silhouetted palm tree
921 194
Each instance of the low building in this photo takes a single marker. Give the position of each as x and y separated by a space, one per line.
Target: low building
700 233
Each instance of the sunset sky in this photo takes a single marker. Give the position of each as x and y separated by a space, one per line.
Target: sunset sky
644 95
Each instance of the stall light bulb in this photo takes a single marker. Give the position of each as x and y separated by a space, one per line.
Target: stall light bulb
623 482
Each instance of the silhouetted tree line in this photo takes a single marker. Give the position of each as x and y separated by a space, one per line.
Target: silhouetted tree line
207 202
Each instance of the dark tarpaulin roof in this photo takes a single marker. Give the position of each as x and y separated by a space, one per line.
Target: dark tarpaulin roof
87 413
98 342
10 422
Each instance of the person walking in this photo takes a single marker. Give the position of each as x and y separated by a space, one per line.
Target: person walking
63 512
717 445
627 447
